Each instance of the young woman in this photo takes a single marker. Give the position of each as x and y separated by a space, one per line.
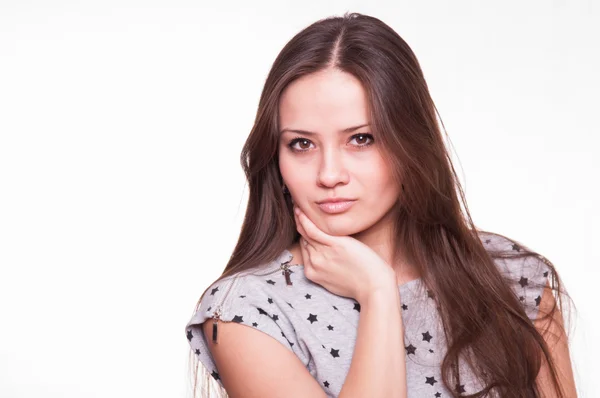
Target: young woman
358 271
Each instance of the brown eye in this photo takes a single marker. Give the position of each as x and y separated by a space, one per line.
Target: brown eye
362 137
302 141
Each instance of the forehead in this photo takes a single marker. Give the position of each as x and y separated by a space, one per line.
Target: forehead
322 100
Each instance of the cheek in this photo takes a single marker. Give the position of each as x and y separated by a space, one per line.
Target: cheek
377 179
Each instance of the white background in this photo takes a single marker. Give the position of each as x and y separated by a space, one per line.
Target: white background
121 194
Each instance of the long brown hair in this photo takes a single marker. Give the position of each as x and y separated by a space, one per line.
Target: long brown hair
433 226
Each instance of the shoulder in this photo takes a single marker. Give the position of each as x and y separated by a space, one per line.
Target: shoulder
247 298
525 271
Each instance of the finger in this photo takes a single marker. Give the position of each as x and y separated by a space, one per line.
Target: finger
299 226
312 232
305 240
305 253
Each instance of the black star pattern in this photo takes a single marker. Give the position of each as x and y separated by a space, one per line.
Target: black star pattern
486 241
326 383
335 308
308 296
270 300
254 324
538 300
430 380
262 312
312 318
545 274
213 291
430 294
197 351
523 282
404 306
275 317
516 247
460 388
410 349
357 306
270 282
334 353
330 327
242 296
438 395
208 310
189 335
426 336
289 305
430 350
237 319
215 375
521 298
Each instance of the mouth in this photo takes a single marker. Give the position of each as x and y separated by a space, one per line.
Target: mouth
336 207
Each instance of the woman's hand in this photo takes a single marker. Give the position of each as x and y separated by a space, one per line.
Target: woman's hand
343 265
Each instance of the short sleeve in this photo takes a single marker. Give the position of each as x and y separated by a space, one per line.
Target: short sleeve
527 276
242 300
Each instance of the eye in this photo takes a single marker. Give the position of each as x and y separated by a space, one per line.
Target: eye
301 140
306 141
363 136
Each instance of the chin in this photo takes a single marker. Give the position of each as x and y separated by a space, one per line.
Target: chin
341 226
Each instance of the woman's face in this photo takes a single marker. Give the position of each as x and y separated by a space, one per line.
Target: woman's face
324 161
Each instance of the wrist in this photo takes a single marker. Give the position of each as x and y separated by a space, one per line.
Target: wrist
381 291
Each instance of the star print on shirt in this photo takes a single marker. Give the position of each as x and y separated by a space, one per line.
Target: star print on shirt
326 383
189 335
357 306
460 388
426 336
430 380
404 306
270 282
330 327
334 353
308 296
410 349
523 282
262 312
215 375
438 395
516 247
312 318
270 300
237 319
213 291
197 352
538 300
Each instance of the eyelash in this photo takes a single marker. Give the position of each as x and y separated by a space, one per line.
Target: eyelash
360 147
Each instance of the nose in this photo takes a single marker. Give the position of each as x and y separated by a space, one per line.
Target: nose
332 171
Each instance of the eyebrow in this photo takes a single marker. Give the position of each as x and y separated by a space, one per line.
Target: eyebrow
346 130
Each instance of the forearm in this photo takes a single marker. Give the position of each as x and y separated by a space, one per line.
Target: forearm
378 367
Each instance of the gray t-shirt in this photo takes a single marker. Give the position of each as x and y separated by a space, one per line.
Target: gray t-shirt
320 327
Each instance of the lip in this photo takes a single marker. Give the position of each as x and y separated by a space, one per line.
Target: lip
335 207
335 200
